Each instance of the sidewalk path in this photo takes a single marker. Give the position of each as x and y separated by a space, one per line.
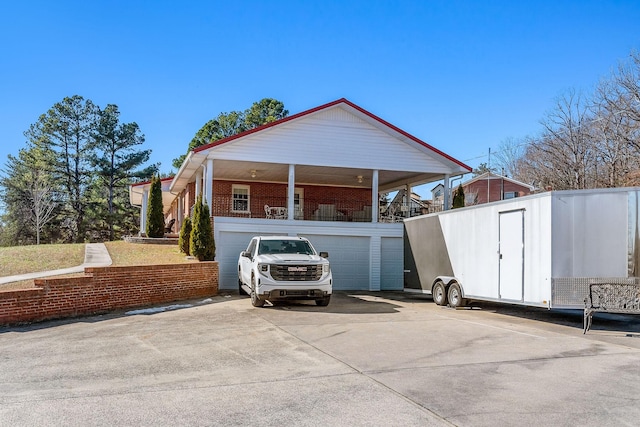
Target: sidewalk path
95 255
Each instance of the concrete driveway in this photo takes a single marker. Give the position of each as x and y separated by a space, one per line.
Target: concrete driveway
381 359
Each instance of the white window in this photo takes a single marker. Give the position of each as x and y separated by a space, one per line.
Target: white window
240 198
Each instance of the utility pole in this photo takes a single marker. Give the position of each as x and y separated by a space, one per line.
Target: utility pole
489 177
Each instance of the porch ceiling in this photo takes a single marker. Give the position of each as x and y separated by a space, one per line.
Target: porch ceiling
317 175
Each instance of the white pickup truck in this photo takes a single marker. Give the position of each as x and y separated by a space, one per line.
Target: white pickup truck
276 268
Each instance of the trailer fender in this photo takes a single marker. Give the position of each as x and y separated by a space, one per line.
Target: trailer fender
447 280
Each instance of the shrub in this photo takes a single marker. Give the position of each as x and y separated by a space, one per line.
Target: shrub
184 240
155 216
458 197
202 245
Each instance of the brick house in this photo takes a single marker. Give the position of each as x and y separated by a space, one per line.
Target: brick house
490 187
318 174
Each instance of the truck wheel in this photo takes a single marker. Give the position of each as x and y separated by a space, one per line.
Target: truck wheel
439 293
455 296
324 301
241 291
255 301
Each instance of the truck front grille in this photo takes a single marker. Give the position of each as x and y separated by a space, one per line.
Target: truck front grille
301 273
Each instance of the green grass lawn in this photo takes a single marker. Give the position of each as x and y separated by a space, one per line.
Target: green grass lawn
28 259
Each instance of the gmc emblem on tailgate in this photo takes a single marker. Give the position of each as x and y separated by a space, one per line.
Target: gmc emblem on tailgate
297 269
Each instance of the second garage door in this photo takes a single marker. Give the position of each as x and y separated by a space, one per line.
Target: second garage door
349 258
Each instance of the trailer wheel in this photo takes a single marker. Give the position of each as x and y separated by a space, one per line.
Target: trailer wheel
439 293
455 296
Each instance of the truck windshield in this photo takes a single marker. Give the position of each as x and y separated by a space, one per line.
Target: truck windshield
285 247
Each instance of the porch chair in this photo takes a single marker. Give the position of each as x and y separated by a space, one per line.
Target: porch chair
169 227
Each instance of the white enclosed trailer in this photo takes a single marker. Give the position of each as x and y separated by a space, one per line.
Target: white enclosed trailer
541 250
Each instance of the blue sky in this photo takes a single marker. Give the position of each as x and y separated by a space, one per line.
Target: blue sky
460 75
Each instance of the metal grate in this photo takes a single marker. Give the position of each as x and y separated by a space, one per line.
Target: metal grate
299 273
570 292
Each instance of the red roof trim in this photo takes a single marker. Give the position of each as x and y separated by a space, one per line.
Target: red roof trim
408 135
266 126
322 107
149 182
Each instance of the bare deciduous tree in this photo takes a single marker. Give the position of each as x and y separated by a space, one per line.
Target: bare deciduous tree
585 142
507 157
563 157
617 124
42 203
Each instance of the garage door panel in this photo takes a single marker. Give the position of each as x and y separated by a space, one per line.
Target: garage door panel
349 258
233 243
350 254
391 264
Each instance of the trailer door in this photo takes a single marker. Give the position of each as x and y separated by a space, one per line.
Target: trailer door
511 255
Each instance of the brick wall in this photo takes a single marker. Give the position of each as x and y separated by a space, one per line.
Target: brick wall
347 199
495 189
105 289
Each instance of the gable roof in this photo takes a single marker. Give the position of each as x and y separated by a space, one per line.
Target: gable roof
491 175
137 190
312 131
323 107
439 185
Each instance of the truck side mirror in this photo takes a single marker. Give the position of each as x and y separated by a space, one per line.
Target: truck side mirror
246 254
324 254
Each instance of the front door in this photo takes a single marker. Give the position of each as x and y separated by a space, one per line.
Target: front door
511 255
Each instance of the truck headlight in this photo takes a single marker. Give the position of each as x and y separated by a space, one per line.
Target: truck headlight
325 268
263 269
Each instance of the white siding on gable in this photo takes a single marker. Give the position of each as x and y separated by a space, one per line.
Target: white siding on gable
336 115
332 137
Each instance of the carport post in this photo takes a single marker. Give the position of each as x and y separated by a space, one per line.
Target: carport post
291 192
143 210
198 182
180 214
375 197
208 185
447 192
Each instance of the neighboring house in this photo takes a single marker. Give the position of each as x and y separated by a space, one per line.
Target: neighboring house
400 208
318 174
437 198
490 187
138 196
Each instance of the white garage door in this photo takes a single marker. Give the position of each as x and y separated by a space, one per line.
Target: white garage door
391 264
228 248
349 258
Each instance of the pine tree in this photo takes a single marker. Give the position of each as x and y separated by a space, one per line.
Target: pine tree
66 132
184 240
155 216
116 161
203 245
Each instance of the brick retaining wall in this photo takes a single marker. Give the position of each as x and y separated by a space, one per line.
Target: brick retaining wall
105 289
